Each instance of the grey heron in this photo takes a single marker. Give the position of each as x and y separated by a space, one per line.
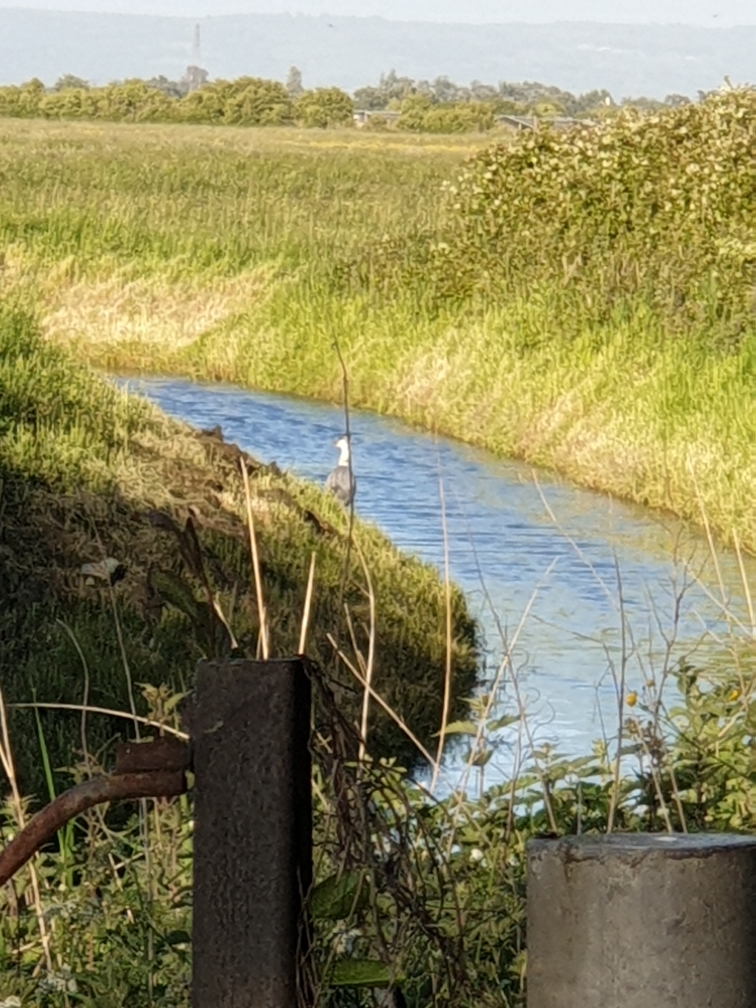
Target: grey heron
341 481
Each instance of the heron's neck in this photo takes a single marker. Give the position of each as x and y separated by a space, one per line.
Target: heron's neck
344 457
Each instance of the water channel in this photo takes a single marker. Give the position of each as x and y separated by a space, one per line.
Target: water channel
516 538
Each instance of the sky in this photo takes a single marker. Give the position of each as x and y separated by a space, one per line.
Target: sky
713 13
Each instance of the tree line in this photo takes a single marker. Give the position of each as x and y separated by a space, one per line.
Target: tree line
421 106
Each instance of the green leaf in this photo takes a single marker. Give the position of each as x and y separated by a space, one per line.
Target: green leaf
178 592
360 973
178 938
482 757
339 896
461 728
502 722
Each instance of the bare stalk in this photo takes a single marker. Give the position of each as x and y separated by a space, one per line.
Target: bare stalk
387 707
6 757
620 687
85 697
370 660
709 535
255 564
448 667
506 663
124 660
746 585
101 710
307 605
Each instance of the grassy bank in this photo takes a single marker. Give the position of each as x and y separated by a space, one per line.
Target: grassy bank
87 473
242 255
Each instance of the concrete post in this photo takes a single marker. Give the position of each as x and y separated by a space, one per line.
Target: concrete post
249 724
642 921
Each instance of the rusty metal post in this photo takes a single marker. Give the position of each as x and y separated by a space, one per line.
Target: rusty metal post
642 921
249 724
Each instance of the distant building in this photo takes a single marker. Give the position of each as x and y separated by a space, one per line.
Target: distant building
194 78
521 123
362 116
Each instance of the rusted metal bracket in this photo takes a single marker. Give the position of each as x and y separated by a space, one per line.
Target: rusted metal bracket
154 769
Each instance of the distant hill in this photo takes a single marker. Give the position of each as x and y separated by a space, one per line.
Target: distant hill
628 60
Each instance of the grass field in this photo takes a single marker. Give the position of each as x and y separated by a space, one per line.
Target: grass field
213 253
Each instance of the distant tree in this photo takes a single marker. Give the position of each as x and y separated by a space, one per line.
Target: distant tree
459 117
254 101
324 107
676 100
389 93
548 108
445 90
132 101
9 100
483 92
369 98
294 82
528 95
246 101
587 103
413 111
70 81
422 115
207 105
396 87
174 89
70 103
642 104
29 96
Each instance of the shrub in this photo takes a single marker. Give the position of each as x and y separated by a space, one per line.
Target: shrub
421 115
252 101
413 110
69 103
656 209
131 101
324 107
22 101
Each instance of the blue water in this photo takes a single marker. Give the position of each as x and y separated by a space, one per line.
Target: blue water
581 560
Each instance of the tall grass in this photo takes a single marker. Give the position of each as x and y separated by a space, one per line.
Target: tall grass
430 892
242 255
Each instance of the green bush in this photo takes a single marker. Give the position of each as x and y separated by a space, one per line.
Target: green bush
69 103
324 107
419 114
464 117
252 101
662 205
413 110
131 101
247 101
22 101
